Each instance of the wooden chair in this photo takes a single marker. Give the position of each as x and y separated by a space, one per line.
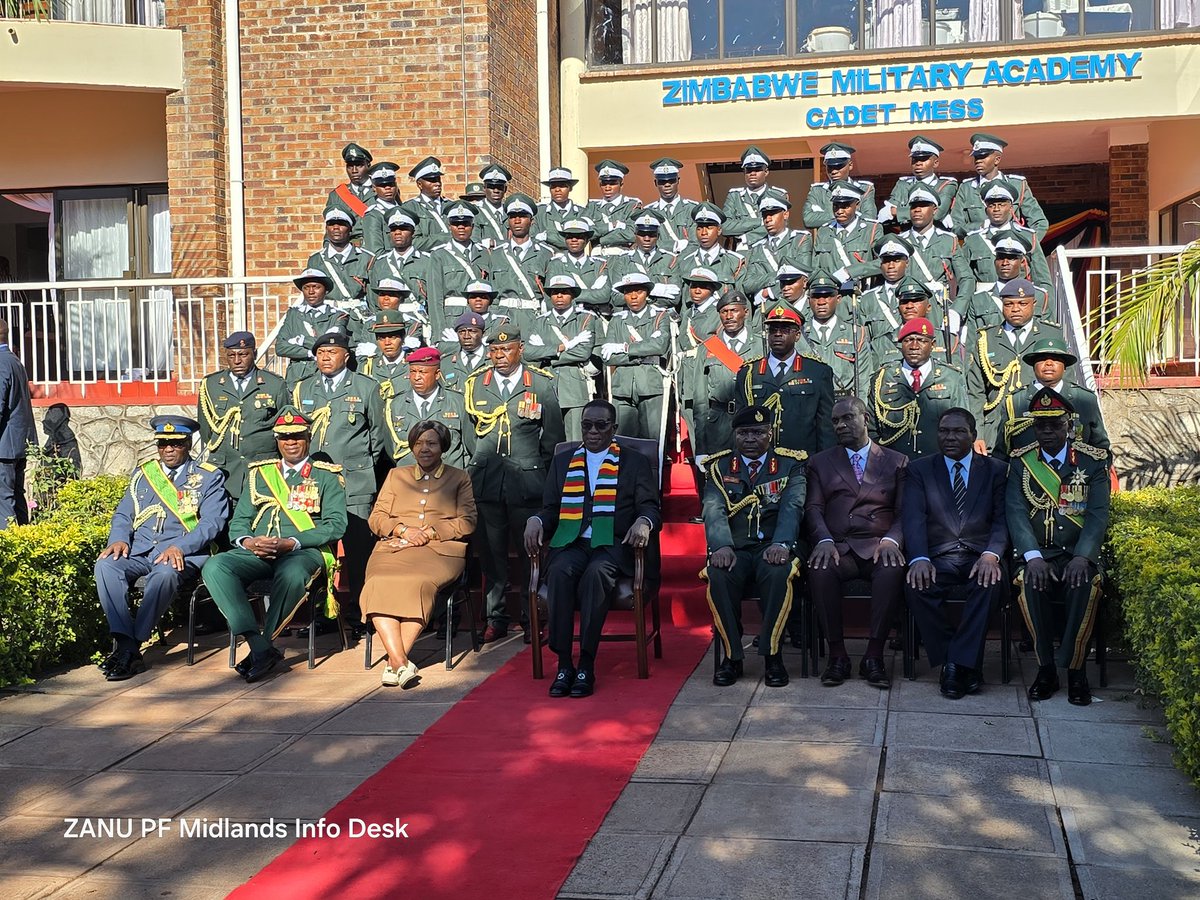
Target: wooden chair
958 595
451 596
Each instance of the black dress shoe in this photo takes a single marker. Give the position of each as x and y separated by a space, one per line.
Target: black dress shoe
836 672
563 682
246 664
873 669
728 672
584 684
127 664
105 665
1045 684
970 679
951 685
696 520
262 664
776 675
1079 692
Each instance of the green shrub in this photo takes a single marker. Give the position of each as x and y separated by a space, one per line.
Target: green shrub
1154 552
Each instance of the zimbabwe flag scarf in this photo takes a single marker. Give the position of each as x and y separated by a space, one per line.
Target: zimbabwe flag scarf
604 500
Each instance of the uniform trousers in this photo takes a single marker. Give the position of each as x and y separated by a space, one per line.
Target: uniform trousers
500 524
584 576
962 646
1082 604
726 587
641 418
227 575
113 578
827 587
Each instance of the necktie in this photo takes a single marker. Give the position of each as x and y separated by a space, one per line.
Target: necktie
755 465
779 367
422 407
823 333
735 346
328 385
506 388
1055 463
960 489
857 462
916 384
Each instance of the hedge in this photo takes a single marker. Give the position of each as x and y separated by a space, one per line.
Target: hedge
49 614
1154 555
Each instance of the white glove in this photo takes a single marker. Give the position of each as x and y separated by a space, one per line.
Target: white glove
955 320
412 342
887 212
701 459
842 274
670 291
449 334
578 339
298 340
365 349
680 245
609 350
535 340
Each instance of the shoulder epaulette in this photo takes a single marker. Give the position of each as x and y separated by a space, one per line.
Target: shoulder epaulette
546 372
208 467
258 463
980 231
327 466
1012 176
712 458
1021 451
790 453
1088 450
805 354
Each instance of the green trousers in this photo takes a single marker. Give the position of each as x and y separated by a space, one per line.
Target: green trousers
228 574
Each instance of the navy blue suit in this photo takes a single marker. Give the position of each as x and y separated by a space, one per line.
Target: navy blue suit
934 531
16 431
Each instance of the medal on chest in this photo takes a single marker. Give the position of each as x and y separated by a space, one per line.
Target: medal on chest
1072 494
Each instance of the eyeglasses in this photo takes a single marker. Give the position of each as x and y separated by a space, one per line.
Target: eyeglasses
594 425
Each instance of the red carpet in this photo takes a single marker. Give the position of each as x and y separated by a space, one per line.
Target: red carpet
501 795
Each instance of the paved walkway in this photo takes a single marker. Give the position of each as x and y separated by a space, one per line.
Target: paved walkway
747 792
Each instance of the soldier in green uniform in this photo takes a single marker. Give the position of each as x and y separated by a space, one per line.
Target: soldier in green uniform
491 225
740 214
517 267
591 272
796 386
975 262
701 317
819 207
709 252
647 258
425 397
356 194
968 211
303 324
470 355
452 266
997 371
782 246
345 410
837 340
791 287
1057 507
393 295
913 301
984 308
285 528
474 192
613 212
562 340
515 425
845 245
480 299
236 411
347 266
403 262
933 248
753 506
710 379
428 207
388 367
925 155
637 352
560 209
906 400
675 212
1049 360
374 221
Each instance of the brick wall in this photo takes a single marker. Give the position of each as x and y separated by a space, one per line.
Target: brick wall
1129 195
513 103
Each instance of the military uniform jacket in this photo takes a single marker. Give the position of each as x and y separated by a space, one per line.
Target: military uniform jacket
933 255
969 209
660 266
905 421
491 225
845 351
943 186
850 248
144 521
745 514
236 426
458 365
350 271
432 230
564 347
548 219
613 219
510 442
363 193
802 399
451 268
1060 514
376 237
638 372
985 309
1016 428
589 272
400 414
742 218
818 206
975 261
791 248
413 270
301 327
316 488
392 377
699 323
710 389
348 425
677 227
727 265
516 275
996 372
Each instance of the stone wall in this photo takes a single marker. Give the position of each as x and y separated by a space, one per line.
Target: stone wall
1155 435
113 439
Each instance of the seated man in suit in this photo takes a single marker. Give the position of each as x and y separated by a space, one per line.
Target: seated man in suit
955 533
852 514
753 504
600 501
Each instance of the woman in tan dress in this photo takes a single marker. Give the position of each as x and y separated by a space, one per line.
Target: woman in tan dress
423 516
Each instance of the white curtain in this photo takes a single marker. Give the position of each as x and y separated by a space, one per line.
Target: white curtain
95 239
983 20
105 12
157 308
43 203
898 23
1179 13
640 31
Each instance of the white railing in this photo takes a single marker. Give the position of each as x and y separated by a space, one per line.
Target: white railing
1093 282
166 332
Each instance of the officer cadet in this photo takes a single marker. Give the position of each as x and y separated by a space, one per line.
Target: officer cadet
517 267
428 207
285 528
374 221
907 399
982 308
356 195
388 367
491 225
933 247
474 192
844 246
791 288
452 266
796 386
403 262
612 212
969 201
837 340
171 513
471 353
975 261
710 380
345 411
591 272
782 246
1049 358
637 353
560 208
913 301
425 398
236 410
303 324
675 212
701 316
753 505
515 423
708 251
741 215
480 297
395 296
648 258
997 370
561 341
925 154
347 266
1058 507
819 207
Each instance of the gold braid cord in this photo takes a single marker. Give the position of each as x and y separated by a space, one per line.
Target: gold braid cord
1039 501
319 419
486 422
1003 380
732 509
401 442
266 505
142 516
230 423
909 412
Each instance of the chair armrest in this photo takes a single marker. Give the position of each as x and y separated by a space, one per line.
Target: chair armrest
639 568
535 574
